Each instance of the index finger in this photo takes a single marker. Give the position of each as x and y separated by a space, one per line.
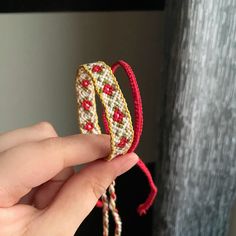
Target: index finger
29 165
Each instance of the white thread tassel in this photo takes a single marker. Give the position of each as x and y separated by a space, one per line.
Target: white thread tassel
110 204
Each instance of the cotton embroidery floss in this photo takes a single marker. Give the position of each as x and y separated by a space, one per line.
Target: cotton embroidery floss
99 78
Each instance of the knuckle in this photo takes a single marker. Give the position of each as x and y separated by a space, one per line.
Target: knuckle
52 142
46 129
98 188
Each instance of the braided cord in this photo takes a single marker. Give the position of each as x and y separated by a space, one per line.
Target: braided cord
105 211
115 213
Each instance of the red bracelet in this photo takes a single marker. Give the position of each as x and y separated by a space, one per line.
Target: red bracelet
138 126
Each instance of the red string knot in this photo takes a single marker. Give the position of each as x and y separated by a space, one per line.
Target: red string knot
118 115
86 104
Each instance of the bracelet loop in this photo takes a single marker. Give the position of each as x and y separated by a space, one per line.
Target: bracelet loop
98 78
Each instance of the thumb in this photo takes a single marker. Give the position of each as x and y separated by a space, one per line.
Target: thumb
80 194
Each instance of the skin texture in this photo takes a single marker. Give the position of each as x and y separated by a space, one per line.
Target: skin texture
40 194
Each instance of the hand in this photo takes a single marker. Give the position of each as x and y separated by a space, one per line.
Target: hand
40 194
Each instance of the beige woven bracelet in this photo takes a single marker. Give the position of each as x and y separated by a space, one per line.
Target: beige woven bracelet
98 78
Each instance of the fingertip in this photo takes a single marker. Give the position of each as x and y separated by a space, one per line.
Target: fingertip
125 162
132 156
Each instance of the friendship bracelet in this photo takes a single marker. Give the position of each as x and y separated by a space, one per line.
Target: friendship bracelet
98 78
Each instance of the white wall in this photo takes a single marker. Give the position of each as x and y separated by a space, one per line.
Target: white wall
39 54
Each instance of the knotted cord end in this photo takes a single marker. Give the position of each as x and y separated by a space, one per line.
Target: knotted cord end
142 209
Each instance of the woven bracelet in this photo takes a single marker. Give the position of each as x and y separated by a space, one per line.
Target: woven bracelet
98 78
